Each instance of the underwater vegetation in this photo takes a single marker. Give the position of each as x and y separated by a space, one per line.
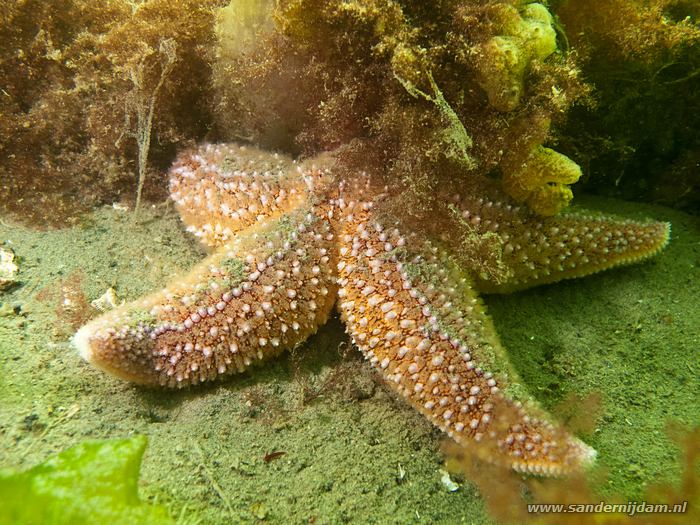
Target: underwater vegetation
504 492
96 96
94 482
639 138
428 93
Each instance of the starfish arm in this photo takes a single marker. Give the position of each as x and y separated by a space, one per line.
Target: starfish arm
539 250
222 189
417 320
265 291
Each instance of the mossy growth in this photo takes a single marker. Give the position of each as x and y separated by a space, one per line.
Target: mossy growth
641 138
95 482
95 96
98 96
140 318
457 140
479 250
234 269
404 90
231 273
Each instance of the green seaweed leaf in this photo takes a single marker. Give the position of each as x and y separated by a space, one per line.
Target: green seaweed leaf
93 483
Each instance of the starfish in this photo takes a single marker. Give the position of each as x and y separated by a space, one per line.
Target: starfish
289 241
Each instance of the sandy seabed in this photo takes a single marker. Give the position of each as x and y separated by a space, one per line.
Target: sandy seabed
353 451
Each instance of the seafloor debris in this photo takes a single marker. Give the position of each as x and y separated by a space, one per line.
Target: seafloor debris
107 301
8 268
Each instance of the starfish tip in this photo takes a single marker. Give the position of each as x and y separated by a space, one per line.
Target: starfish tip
98 348
586 454
81 342
666 237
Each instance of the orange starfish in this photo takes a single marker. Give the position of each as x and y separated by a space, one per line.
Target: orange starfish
290 241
